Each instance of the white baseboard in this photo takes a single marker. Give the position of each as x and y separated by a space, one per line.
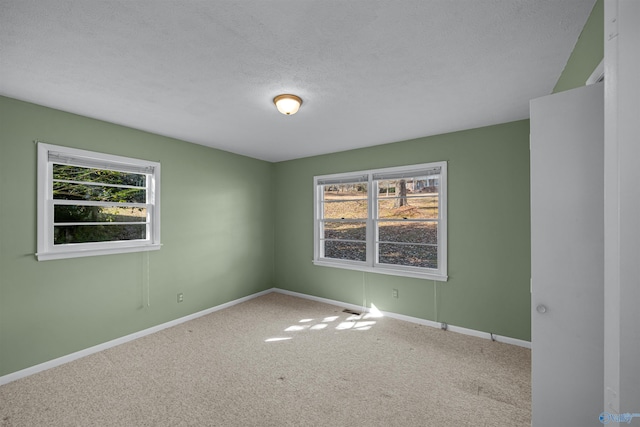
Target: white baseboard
91 350
458 329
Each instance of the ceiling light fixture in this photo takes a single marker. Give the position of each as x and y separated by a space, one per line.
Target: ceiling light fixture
287 104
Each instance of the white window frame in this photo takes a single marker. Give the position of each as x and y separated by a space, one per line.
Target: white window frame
46 248
370 265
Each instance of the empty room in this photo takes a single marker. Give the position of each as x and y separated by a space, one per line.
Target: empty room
319 213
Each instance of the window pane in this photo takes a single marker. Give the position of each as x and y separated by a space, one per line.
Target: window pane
408 232
353 209
103 176
357 190
75 213
345 231
409 255
97 233
70 191
353 251
415 197
345 200
409 207
416 185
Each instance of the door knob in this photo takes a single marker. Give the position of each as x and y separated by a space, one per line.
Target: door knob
541 308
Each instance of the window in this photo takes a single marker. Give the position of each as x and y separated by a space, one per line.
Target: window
390 221
95 204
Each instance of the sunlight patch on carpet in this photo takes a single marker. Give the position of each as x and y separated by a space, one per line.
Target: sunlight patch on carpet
277 339
319 326
355 321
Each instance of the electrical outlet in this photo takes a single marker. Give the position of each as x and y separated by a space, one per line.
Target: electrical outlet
180 297
394 293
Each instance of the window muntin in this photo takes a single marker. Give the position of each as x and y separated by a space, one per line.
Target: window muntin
91 203
399 229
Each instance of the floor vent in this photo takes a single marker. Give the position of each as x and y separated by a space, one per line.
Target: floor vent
346 310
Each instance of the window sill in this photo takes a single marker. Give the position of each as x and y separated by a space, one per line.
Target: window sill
46 256
382 270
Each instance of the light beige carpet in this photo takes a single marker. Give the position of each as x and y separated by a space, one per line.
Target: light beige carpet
278 360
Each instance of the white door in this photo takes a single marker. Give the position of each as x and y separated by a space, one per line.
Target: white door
567 257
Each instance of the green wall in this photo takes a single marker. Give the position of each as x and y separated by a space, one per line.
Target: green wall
488 226
217 235
587 53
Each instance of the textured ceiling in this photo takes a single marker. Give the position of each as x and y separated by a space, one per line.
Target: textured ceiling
369 72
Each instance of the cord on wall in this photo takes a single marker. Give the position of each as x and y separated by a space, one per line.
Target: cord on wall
142 279
435 300
364 293
148 281
145 292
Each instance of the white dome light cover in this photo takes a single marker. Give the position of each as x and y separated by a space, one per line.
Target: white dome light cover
287 104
